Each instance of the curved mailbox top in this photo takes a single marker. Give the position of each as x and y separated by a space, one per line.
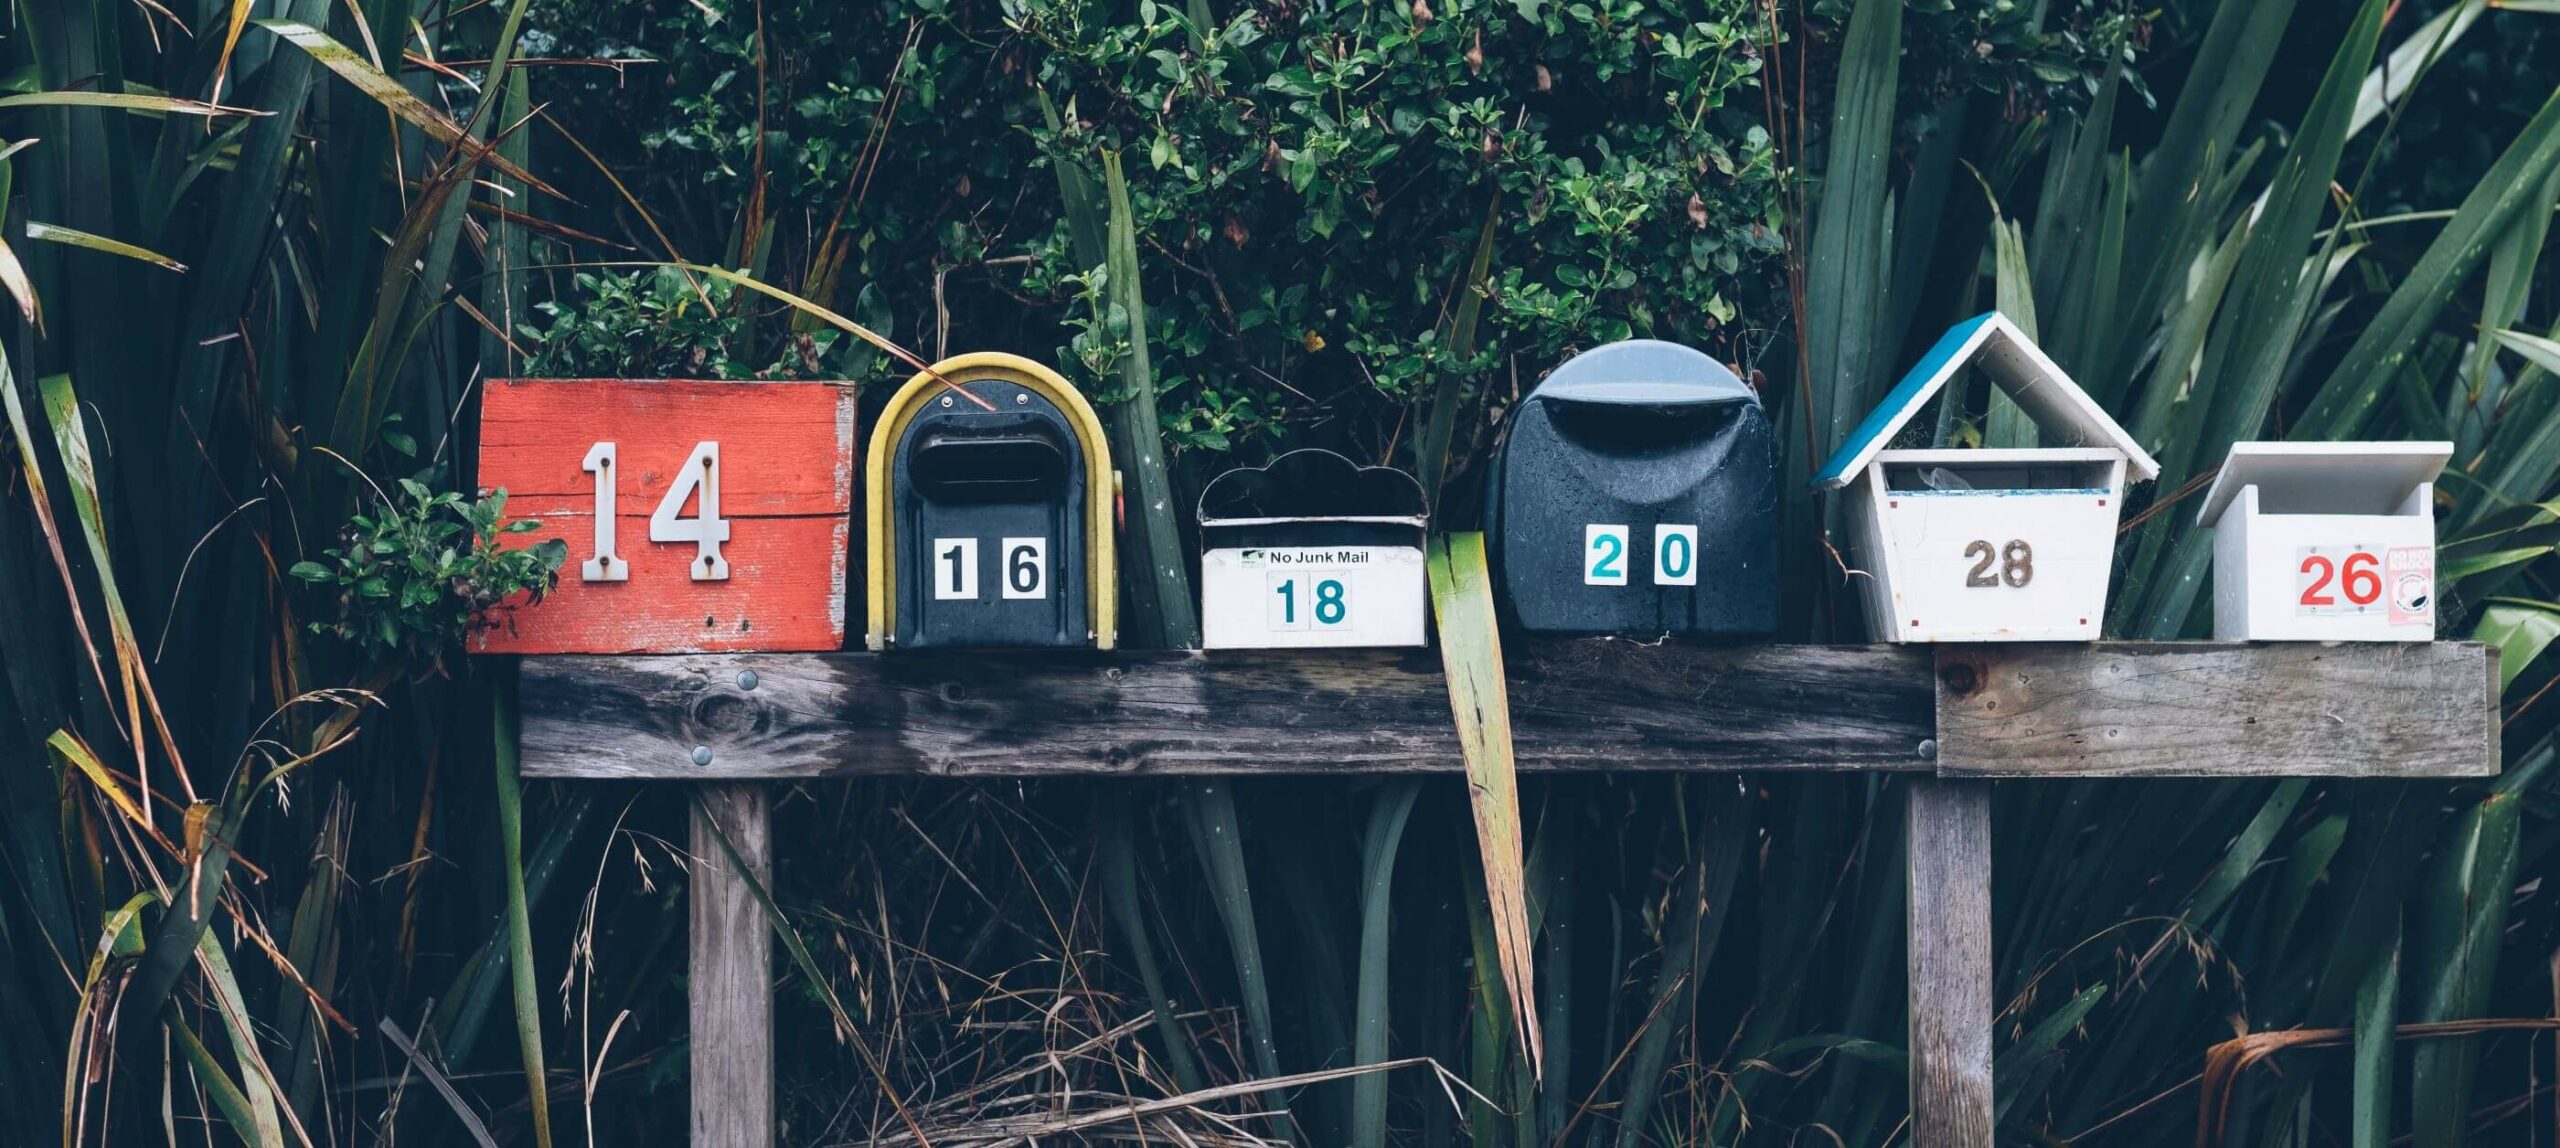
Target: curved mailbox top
1312 484
1644 373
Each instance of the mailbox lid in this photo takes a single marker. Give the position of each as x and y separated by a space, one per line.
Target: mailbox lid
1643 373
2324 477
1311 485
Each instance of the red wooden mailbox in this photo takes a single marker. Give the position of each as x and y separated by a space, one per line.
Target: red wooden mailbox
700 516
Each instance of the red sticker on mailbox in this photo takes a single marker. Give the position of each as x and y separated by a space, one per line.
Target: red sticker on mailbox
2410 572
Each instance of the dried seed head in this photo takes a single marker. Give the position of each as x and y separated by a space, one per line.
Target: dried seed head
1475 54
960 190
1166 108
1546 80
1270 155
1697 211
1235 232
1421 13
1492 143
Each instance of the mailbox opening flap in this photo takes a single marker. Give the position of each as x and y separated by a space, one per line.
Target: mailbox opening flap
1013 467
1997 472
2368 478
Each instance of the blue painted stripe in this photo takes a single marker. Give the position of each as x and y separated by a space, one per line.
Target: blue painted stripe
1914 390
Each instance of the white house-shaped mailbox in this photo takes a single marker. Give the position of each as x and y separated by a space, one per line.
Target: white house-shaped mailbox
2325 541
1312 550
1987 545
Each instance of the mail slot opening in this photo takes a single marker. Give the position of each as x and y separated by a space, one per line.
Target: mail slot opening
989 468
1643 426
2039 475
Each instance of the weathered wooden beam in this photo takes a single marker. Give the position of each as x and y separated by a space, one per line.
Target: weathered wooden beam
1582 705
2214 709
729 973
1949 958
2111 709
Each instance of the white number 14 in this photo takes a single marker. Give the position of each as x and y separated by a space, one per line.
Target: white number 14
698 482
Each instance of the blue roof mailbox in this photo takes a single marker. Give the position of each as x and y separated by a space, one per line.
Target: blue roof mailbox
1987 545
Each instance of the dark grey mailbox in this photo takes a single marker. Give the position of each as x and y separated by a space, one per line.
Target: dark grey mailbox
991 507
1635 491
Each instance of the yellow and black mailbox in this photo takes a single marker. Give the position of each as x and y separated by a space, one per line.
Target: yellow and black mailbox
991 500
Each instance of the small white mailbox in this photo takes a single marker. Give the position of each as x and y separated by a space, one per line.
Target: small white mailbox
1312 550
2325 541
2010 545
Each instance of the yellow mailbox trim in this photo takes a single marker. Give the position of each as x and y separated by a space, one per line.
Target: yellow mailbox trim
880 531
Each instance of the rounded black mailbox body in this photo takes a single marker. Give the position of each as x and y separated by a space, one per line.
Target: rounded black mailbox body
1635 491
987 512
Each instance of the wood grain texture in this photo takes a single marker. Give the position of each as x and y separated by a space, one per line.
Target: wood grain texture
730 994
1949 958
788 447
2212 709
785 475
1576 704
785 591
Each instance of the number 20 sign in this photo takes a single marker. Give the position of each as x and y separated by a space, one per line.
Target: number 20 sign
699 515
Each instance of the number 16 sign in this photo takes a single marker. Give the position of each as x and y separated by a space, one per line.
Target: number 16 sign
699 515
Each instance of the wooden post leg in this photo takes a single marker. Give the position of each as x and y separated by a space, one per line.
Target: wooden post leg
1950 963
732 997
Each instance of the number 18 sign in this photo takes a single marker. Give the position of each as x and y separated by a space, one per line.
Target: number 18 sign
699 516
1312 550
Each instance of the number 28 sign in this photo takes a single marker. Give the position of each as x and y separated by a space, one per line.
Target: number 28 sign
699 515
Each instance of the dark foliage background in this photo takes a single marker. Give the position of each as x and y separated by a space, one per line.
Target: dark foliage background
1309 182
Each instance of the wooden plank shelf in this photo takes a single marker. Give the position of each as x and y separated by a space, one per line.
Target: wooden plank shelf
2129 709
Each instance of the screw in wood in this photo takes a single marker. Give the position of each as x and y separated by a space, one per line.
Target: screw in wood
702 755
746 679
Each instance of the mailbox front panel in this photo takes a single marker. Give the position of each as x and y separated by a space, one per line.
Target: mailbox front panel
990 528
1627 519
1271 585
1992 566
2325 577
